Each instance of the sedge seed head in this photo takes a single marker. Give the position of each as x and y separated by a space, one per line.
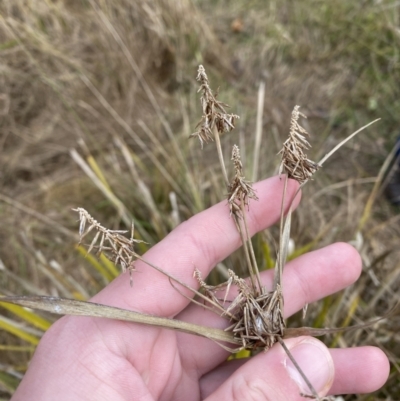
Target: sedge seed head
214 113
115 246
294 159
239 189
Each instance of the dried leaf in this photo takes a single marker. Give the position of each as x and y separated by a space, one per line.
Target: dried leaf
63 306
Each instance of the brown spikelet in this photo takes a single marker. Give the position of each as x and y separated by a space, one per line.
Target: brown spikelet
214 113
117 247
257 320
260 321
294 159
239 189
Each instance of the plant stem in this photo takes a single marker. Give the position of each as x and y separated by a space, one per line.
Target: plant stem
310 386
247 254
259 121
220 155
250 246
279 260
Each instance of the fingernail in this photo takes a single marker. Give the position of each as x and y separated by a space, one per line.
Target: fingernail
316 363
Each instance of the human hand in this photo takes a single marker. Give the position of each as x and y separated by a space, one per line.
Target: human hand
81 358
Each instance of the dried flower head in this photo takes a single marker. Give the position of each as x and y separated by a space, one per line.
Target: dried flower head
294 159
115 246
258 320
214 113
239 189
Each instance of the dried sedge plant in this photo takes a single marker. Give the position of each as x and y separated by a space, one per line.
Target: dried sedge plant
119 250
256 315
258 321
239 190
294 159
214 113
215 120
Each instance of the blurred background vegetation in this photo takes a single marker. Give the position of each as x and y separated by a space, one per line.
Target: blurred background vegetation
98 99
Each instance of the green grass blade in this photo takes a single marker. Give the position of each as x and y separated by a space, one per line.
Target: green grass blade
17 348
110 266
8 382
97 170
27 316
20 333
352 310
104 272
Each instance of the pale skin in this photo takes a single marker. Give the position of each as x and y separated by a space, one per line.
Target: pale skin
82 358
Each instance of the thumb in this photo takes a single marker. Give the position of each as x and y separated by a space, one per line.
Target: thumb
272 375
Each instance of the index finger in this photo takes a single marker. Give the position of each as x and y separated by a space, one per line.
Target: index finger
201 242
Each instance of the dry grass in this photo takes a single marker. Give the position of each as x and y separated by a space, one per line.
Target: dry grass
115 83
